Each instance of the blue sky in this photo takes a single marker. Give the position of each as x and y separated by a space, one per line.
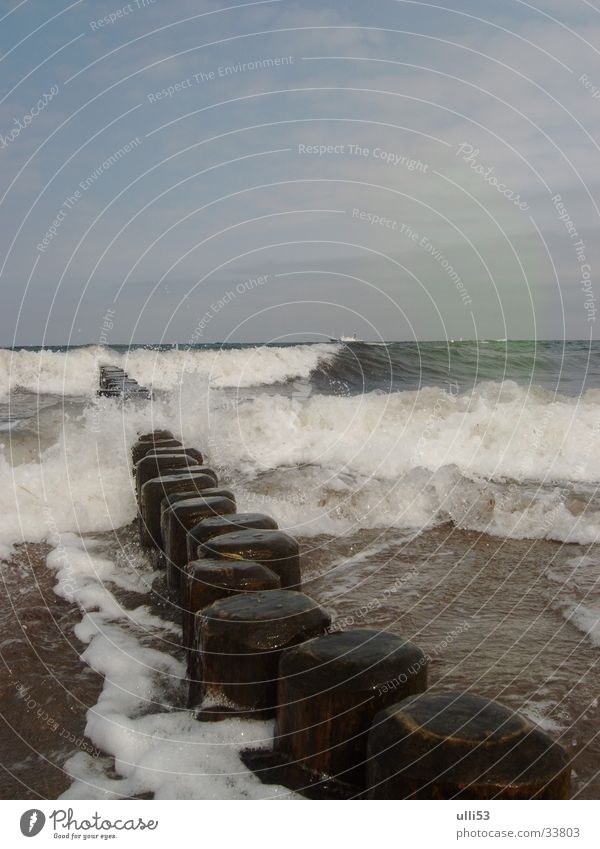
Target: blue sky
285 170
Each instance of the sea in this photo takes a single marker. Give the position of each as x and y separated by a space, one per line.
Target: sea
447 492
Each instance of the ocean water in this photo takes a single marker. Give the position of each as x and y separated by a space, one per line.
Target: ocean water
448 492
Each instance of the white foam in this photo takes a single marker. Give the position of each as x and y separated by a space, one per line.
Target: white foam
81 483
544 714
173 756
50 372
242 367
501 459
498 430
75 372
157 747
586 619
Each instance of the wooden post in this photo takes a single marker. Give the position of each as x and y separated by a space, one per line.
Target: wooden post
329 691
182 449
241 639
143 447
205 582
274 549
153 465
176 520
175 497
457 745
217 525
153 492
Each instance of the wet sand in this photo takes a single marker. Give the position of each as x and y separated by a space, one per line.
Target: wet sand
45 689
489 617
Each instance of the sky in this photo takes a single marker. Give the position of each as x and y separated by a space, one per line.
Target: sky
285 171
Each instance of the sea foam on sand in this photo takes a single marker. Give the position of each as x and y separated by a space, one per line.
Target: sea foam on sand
157 746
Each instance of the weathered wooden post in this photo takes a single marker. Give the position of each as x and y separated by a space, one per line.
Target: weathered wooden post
176 520
153 492
182 449
241 639
146 446
205 582
154 465
461 746
217 525
330 689
274 549
213 492
154 435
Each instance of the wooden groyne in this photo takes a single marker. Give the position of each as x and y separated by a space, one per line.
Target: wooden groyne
116 383
354 714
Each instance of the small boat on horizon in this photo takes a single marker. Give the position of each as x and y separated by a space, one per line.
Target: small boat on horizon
353 338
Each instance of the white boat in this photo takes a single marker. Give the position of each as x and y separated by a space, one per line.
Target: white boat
353 338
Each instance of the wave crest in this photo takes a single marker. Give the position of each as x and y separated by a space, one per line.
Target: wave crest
74 372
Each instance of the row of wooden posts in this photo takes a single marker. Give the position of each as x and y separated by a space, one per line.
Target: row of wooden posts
353 715
114 382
